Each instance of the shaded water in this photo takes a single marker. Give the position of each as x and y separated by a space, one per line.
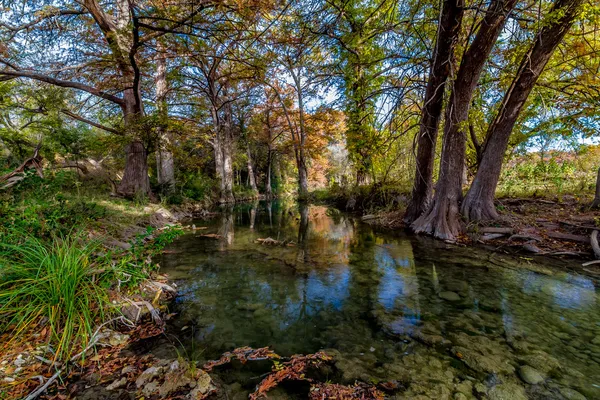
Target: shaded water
441 321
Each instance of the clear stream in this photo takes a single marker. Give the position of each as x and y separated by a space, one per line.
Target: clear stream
443 322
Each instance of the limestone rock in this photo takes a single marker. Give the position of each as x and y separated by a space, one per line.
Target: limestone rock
148 375
118 383
530 375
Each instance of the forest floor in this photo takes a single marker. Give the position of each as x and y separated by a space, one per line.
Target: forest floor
558 227
128 236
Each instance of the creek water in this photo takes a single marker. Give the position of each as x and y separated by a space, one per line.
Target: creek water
443 322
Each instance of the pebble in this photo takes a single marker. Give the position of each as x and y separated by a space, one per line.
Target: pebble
117 384
19 362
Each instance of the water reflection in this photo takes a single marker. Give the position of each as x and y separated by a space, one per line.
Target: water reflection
342 286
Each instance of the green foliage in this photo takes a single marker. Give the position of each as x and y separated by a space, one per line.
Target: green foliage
61 282
197 186
366 198
528 177
43 207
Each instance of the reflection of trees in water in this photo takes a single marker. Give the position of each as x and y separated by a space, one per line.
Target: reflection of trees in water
253 209
269 207
303 234
227 227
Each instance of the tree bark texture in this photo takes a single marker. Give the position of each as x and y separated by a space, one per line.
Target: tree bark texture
442 219
165 163
135 180
479 201
447 35
251 176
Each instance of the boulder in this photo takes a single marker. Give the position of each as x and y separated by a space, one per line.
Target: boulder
530 375
571 394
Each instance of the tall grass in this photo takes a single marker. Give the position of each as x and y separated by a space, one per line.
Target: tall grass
52 285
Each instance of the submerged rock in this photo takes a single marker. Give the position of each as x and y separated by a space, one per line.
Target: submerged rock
530 375
507 391
482 354
541 361
450 296
571 394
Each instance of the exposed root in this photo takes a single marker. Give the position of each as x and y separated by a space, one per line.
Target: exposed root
594 242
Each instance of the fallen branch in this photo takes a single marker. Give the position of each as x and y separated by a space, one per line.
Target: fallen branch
33 395
272 242
17 175
587 264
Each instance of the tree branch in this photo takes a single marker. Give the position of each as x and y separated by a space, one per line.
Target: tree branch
7 75
90 122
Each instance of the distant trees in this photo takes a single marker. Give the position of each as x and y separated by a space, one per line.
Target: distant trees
260 96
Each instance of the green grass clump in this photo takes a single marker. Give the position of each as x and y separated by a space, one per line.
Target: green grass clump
55 282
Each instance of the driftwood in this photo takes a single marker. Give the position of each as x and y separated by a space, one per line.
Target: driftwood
272 242
18 174
521 236
587 264
211 236
594 242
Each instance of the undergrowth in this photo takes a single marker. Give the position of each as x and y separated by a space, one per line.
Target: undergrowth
57 282
60 283
366 198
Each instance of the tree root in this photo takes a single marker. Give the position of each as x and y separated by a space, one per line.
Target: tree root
594 242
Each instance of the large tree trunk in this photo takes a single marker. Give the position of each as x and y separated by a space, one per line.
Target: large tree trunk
227 177
268 190
302 175
227 151
251 176
165 166
479 201
442 218
300 155
135 180
447 35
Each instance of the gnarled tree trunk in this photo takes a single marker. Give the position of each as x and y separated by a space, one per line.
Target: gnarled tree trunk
135 180
479 201
447 34
442 219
